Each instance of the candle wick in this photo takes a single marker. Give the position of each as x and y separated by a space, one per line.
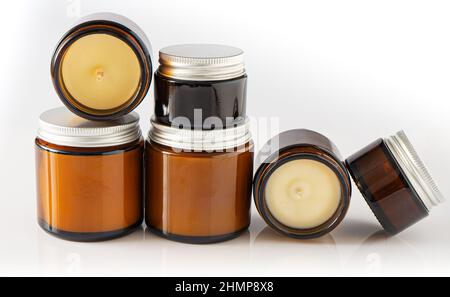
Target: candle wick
99 74
298 191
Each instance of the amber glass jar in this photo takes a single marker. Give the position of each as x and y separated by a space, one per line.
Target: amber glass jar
199 153
394 182
199 81
198 183
89 176
301 188
102 67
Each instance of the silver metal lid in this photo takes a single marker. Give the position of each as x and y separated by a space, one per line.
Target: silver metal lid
414 169
200 140
201 62
61 127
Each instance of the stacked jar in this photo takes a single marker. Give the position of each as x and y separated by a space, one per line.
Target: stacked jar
89 154
199 152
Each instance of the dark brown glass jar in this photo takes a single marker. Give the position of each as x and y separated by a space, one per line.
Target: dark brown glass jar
101 68
394 182
198 183
89 176
199 81
301 188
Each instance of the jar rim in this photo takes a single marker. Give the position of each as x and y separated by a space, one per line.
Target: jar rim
414 169
61 127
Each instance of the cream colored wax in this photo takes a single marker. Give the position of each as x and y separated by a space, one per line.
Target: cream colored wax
303 194
101 71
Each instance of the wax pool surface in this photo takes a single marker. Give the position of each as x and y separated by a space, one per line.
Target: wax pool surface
303 194
101 71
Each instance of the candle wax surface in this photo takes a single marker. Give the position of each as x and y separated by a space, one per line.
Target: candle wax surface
303 194
101 71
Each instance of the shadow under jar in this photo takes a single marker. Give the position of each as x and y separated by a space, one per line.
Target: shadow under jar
198 183
89 176
301 188
394 182
197 82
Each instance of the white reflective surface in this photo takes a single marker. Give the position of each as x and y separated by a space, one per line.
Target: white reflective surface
358 247
352 71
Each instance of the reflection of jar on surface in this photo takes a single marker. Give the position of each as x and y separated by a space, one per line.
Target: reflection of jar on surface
89 176
198 179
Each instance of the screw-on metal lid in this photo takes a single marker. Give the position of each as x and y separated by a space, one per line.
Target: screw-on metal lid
414 169
61 127
200 140
201 62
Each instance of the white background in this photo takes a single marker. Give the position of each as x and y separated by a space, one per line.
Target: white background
353 70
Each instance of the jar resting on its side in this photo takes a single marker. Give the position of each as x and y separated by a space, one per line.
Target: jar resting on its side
89 176
198 191
301 187
102 67
394 182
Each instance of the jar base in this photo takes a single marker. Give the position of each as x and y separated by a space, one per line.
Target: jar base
88 236
197 239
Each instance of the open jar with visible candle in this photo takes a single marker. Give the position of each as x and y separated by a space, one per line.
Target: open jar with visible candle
102 68
301 187
89 176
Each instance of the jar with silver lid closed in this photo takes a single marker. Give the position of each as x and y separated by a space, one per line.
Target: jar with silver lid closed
394 182
199 152
198 183
196 82
89 176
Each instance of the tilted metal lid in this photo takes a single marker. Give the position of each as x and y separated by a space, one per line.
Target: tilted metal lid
201 62
414 169
61 127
